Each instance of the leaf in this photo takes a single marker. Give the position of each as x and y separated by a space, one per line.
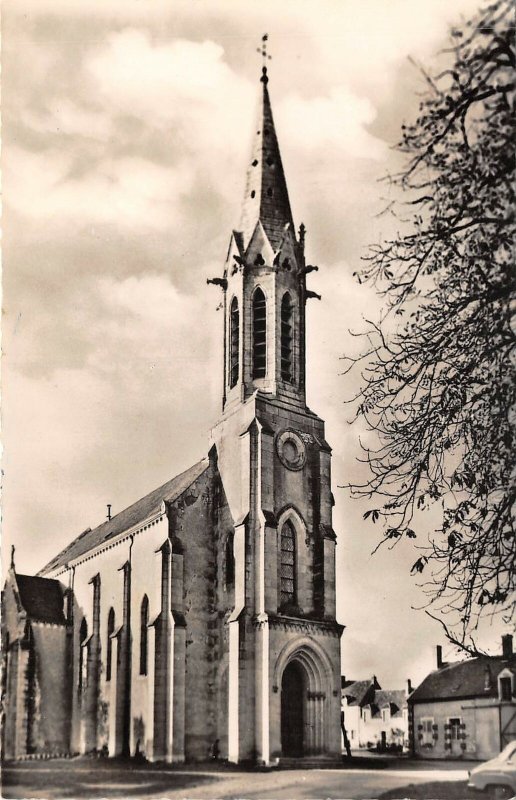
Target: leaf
419 565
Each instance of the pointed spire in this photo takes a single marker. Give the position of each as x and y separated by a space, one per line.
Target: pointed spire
266 196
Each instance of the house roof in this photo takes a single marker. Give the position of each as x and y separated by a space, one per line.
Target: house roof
360 693
391 697
476 677
137 512
41 598
369 693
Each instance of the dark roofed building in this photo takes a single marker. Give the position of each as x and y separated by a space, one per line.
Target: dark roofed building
466 708
35 686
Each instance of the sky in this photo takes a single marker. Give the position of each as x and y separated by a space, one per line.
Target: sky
127 130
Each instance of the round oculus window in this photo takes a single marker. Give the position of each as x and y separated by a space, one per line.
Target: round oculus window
291 450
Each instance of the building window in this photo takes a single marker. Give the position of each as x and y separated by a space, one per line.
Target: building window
83 655
144 634
234 332
259 334
454 723
229 562
288 564
427 728
505 689
286 338
385 715
109 649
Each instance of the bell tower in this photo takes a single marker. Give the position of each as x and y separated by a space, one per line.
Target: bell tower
283 641
265 281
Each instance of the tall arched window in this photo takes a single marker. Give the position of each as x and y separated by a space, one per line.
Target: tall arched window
259 334
83 655
234 330
230 562
109 648
144 633
286 338
288 564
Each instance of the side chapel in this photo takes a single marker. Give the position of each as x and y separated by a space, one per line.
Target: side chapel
201 619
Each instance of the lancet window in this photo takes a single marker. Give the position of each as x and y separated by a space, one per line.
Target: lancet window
144 634
288 564
234 332
109 648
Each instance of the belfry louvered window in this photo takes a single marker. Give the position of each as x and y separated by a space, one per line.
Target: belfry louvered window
109 648
234 332
259 334
288 564
286 338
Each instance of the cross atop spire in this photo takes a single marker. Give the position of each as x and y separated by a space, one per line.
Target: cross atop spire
265 56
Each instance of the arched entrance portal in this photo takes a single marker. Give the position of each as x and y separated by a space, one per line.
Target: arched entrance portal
306 710
293 691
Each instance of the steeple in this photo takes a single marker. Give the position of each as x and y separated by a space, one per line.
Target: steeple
264 281
266 196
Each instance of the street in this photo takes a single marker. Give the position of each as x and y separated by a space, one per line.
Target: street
83 778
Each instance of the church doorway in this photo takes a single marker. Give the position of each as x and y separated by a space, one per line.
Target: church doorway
292 710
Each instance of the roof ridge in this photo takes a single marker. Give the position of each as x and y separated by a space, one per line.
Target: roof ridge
125 518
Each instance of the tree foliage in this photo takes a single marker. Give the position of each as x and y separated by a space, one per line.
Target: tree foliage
438 375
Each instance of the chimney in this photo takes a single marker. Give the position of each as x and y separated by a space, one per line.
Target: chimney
439 654
487 679
507 646
342 680
409 687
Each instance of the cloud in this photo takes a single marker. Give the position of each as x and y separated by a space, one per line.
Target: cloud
127 192
183 87
337 120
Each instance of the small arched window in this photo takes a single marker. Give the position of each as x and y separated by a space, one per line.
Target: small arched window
109 648
83 654
259 334
144 634
229 562
234 331
288 564
286 338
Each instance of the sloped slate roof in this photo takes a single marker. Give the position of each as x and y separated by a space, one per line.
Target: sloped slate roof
463 679
390 697
360 693
129 517
266 195
42 598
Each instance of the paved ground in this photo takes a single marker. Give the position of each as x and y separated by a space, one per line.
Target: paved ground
82 778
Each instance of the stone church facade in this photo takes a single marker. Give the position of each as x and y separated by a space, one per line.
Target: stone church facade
201 619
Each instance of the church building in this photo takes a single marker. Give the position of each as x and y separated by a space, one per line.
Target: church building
201 619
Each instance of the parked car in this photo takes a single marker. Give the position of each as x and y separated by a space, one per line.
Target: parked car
497 776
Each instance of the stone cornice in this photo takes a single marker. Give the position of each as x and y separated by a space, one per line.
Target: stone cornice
305 625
